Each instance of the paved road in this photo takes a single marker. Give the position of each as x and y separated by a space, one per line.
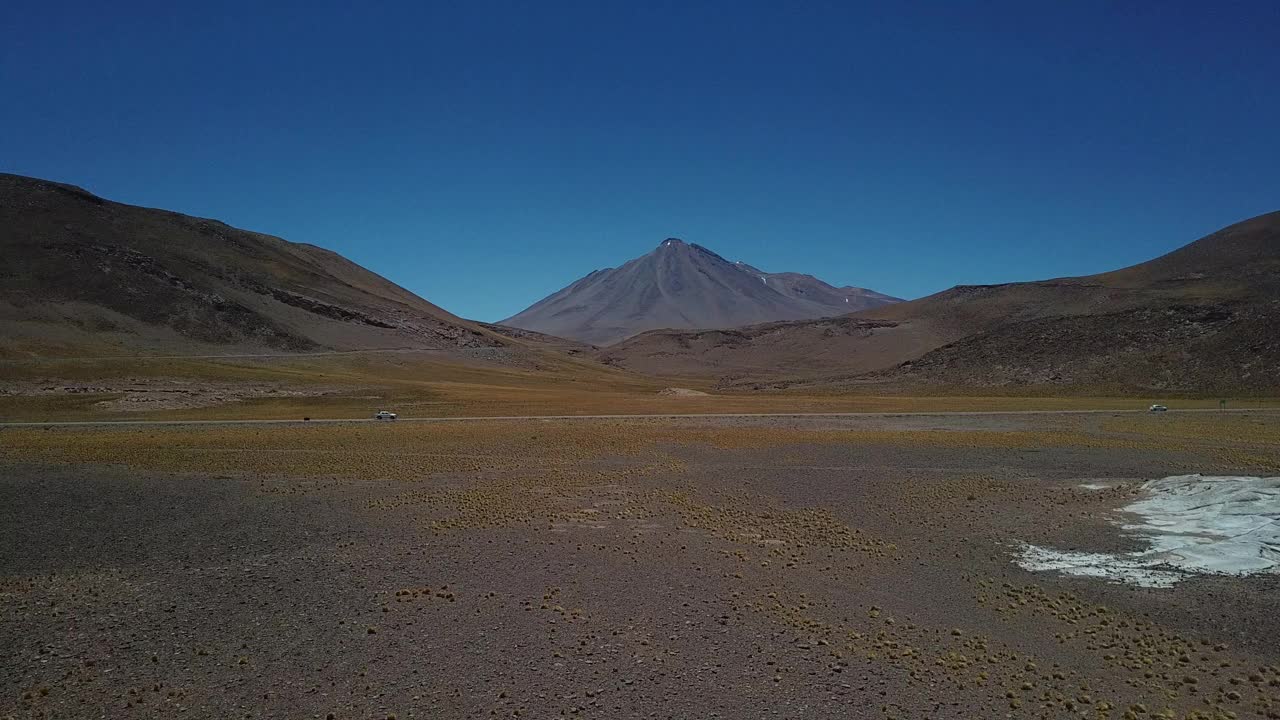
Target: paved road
663 416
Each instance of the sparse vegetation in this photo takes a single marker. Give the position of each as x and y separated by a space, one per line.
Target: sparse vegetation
592 566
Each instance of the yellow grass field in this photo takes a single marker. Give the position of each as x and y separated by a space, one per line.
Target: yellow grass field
410 450
423 385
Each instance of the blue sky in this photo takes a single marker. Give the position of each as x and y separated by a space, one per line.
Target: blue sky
485 154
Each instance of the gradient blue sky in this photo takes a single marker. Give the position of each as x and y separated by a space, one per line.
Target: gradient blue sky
485 154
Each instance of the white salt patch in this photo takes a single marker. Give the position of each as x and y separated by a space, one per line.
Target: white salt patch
1094 486
1116 568
1193 525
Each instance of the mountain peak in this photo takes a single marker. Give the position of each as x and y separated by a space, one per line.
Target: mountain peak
687 286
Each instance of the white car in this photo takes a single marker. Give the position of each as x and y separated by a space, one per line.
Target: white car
1158 408
384 415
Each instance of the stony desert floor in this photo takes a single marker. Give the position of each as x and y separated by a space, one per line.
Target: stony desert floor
679 568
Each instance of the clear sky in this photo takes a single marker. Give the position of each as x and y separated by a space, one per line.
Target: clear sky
485 154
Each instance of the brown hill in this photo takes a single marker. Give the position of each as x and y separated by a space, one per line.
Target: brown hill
684 286
769 350
84 275
1220 348
1195 320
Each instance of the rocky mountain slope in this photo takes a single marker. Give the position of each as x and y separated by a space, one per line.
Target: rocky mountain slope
681 285
1199 319
1227 348
84 275
766 351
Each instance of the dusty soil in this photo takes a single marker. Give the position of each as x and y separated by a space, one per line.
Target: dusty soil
142 395
852 568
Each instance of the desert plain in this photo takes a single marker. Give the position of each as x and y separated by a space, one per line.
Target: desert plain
675 567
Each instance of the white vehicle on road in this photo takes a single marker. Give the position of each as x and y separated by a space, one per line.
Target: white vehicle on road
1158 408
384 415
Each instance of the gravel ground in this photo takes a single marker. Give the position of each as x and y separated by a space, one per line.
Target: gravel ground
855 568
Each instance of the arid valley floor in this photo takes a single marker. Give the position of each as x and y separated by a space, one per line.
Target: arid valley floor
855 567
640 361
